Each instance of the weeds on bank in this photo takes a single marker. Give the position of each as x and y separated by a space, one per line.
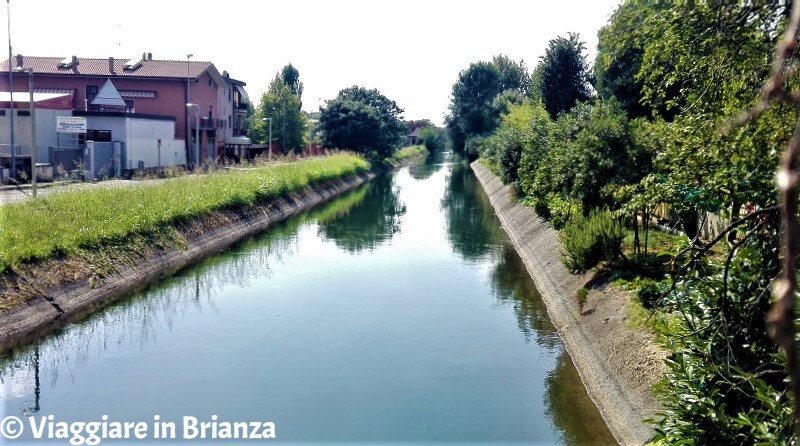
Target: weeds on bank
64 223
405 153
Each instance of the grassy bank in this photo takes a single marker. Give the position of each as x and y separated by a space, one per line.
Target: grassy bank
406 153
61 224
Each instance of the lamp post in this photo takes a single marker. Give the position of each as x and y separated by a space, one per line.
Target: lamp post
32 110
11 93
196 132
188 133
269 150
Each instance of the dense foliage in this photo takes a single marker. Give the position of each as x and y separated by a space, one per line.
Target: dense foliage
562 75
588 241
281 102
474 109
364 121
664 132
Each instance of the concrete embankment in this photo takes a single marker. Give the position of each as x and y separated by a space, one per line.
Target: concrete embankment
618 364
60 290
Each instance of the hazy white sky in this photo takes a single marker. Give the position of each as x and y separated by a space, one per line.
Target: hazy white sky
412 51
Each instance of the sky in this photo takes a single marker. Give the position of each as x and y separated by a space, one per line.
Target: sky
411 51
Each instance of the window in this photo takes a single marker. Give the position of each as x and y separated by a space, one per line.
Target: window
91 93
210 112
98 135
230 121
2 112
23 112
130 104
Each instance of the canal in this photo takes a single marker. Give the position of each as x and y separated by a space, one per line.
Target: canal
397 312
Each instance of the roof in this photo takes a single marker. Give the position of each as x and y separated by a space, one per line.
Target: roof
150 68
108 95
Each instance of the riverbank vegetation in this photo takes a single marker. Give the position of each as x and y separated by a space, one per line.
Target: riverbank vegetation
407 153
659 126
60 224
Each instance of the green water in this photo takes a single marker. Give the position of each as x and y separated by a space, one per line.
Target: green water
399 312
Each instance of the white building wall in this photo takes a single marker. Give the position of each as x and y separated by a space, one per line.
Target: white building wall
46 135
142 143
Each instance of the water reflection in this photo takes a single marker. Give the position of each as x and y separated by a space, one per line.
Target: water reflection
427 167
373 347
566 398
471 229
512 284
370 223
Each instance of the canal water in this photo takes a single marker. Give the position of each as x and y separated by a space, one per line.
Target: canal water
399 312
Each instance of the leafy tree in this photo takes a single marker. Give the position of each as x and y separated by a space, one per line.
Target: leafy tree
434 138
417 124
563 75
279 103
364 121
472 96
620 47
291 77
519 132
514 75
474 105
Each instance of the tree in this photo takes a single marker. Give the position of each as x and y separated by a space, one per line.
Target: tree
364 121
563 75
620 47
280 104
434 138
471 113
291 77
514 75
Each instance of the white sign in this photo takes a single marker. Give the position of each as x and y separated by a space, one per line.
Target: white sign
70 124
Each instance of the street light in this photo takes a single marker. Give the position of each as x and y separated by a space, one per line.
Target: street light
11 93
188 133
32 110
269 150
196 132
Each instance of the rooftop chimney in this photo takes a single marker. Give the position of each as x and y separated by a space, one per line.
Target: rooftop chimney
111 65
74 61
20 61
149 56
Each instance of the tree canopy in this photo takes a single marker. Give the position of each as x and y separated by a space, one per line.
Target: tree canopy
562 75
474 108
362 120
283 106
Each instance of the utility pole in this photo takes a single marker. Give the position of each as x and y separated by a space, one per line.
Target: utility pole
11 94
284 120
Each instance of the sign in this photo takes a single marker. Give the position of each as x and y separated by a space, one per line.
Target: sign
70 124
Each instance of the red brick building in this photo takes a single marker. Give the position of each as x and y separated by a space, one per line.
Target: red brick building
147 86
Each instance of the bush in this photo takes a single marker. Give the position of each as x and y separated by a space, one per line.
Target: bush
587 242
649 293
583 295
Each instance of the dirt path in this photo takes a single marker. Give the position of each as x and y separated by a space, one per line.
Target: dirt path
617 364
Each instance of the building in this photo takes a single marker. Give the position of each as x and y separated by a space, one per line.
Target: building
114 93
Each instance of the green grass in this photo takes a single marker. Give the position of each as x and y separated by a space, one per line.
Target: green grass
405 153
64 223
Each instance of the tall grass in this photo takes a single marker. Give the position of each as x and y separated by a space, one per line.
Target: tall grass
406 152
66 222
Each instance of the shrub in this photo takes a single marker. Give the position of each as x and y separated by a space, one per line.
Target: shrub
588 241
649 293
583 295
